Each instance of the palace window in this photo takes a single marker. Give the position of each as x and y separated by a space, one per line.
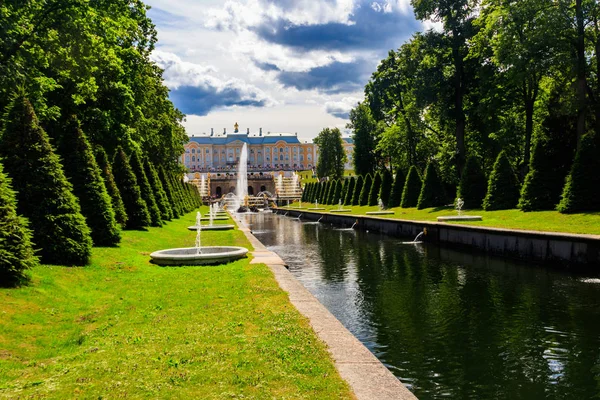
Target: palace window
193 151
193 158
207 151
281 158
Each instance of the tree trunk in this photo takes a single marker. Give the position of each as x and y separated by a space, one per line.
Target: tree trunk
581 64
458 104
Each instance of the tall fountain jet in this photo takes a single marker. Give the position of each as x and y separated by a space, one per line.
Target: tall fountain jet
241 189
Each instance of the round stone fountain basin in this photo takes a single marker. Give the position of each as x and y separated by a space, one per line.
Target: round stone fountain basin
343 210
379 212
222 227
214 219
189 255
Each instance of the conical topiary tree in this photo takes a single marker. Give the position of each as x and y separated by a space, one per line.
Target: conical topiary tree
332 191
344 191
164 179
111 186
503 186
473 185
350 192
44 195
386 187
16 252
84 174
582 190
166 213
137 211
145 189
360 181
375 189
338 192
432 190
397 188
412 189
366 191
325 192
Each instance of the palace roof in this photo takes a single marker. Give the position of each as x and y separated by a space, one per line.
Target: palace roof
225 139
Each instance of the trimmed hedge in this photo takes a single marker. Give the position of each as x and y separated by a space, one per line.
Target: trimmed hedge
366 191
387 180
84 174
582 189
135 160
16 251
137 212
375 189
164 179
339 186
350 192
397 188
360 181
412 189
111 186
44 196
473 185
432 193
503 186
166 213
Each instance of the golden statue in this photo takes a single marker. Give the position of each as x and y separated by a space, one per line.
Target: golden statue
236 128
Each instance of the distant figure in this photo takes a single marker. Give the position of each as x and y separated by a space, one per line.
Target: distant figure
236 128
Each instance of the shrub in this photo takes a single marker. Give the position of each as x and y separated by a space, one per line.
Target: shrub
357 190
137 211
166 213
84 174
386 187
111 186
503 186
432 191
164 179
350 192
473 185
344 191
16 252
412 189
44 195
397 188
339 186
375 189
582 189
333 190
145 189
366 191
325 192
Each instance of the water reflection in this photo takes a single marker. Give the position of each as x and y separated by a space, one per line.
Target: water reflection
450 324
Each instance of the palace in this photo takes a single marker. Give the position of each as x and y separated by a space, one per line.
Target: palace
270 151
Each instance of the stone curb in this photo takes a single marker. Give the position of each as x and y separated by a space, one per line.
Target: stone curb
368 378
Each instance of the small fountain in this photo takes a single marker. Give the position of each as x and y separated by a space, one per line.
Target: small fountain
241 189
416 239
382 210
213 216
316 206
198 255
340 208
460 217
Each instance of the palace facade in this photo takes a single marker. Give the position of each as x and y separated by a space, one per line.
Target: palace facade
270 151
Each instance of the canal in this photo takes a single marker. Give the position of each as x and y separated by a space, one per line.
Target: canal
449 324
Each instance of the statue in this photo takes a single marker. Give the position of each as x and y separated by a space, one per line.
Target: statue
236 128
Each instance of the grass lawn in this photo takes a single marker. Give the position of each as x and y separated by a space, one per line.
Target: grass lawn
550 221
123 327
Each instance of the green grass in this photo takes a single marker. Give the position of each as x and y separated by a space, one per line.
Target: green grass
123 327
548 221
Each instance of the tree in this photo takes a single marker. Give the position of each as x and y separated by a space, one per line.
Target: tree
16 251
138 216
365 127
350 192
366 191
48 200
342 197
357 190
145 189
164 179
166 213
375 189
111 186
339 186
85 176
473 185
386 187
432 191
582 190
412 189
397 188
503 186
332 156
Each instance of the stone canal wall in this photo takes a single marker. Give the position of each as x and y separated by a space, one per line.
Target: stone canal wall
548 247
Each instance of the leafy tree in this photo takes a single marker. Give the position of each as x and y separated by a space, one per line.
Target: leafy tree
357 190
47 200
397 188
111 186
412 189
375 189
582 190
16 252
83 172
366 191
138 216
145 189
473 185
332 156
166 213
365 127
350 192
386 187
432 191
503 186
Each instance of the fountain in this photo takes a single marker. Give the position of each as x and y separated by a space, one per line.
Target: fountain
212 216
316 206
198 255
241 189
340 208
416 239
381 211
459 205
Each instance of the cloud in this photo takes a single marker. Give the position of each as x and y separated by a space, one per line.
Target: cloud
336 77
341 109
197 89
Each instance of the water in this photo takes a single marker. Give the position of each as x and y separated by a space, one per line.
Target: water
198 233
241 189
450 324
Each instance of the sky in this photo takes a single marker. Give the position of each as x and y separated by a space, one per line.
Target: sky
282 65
